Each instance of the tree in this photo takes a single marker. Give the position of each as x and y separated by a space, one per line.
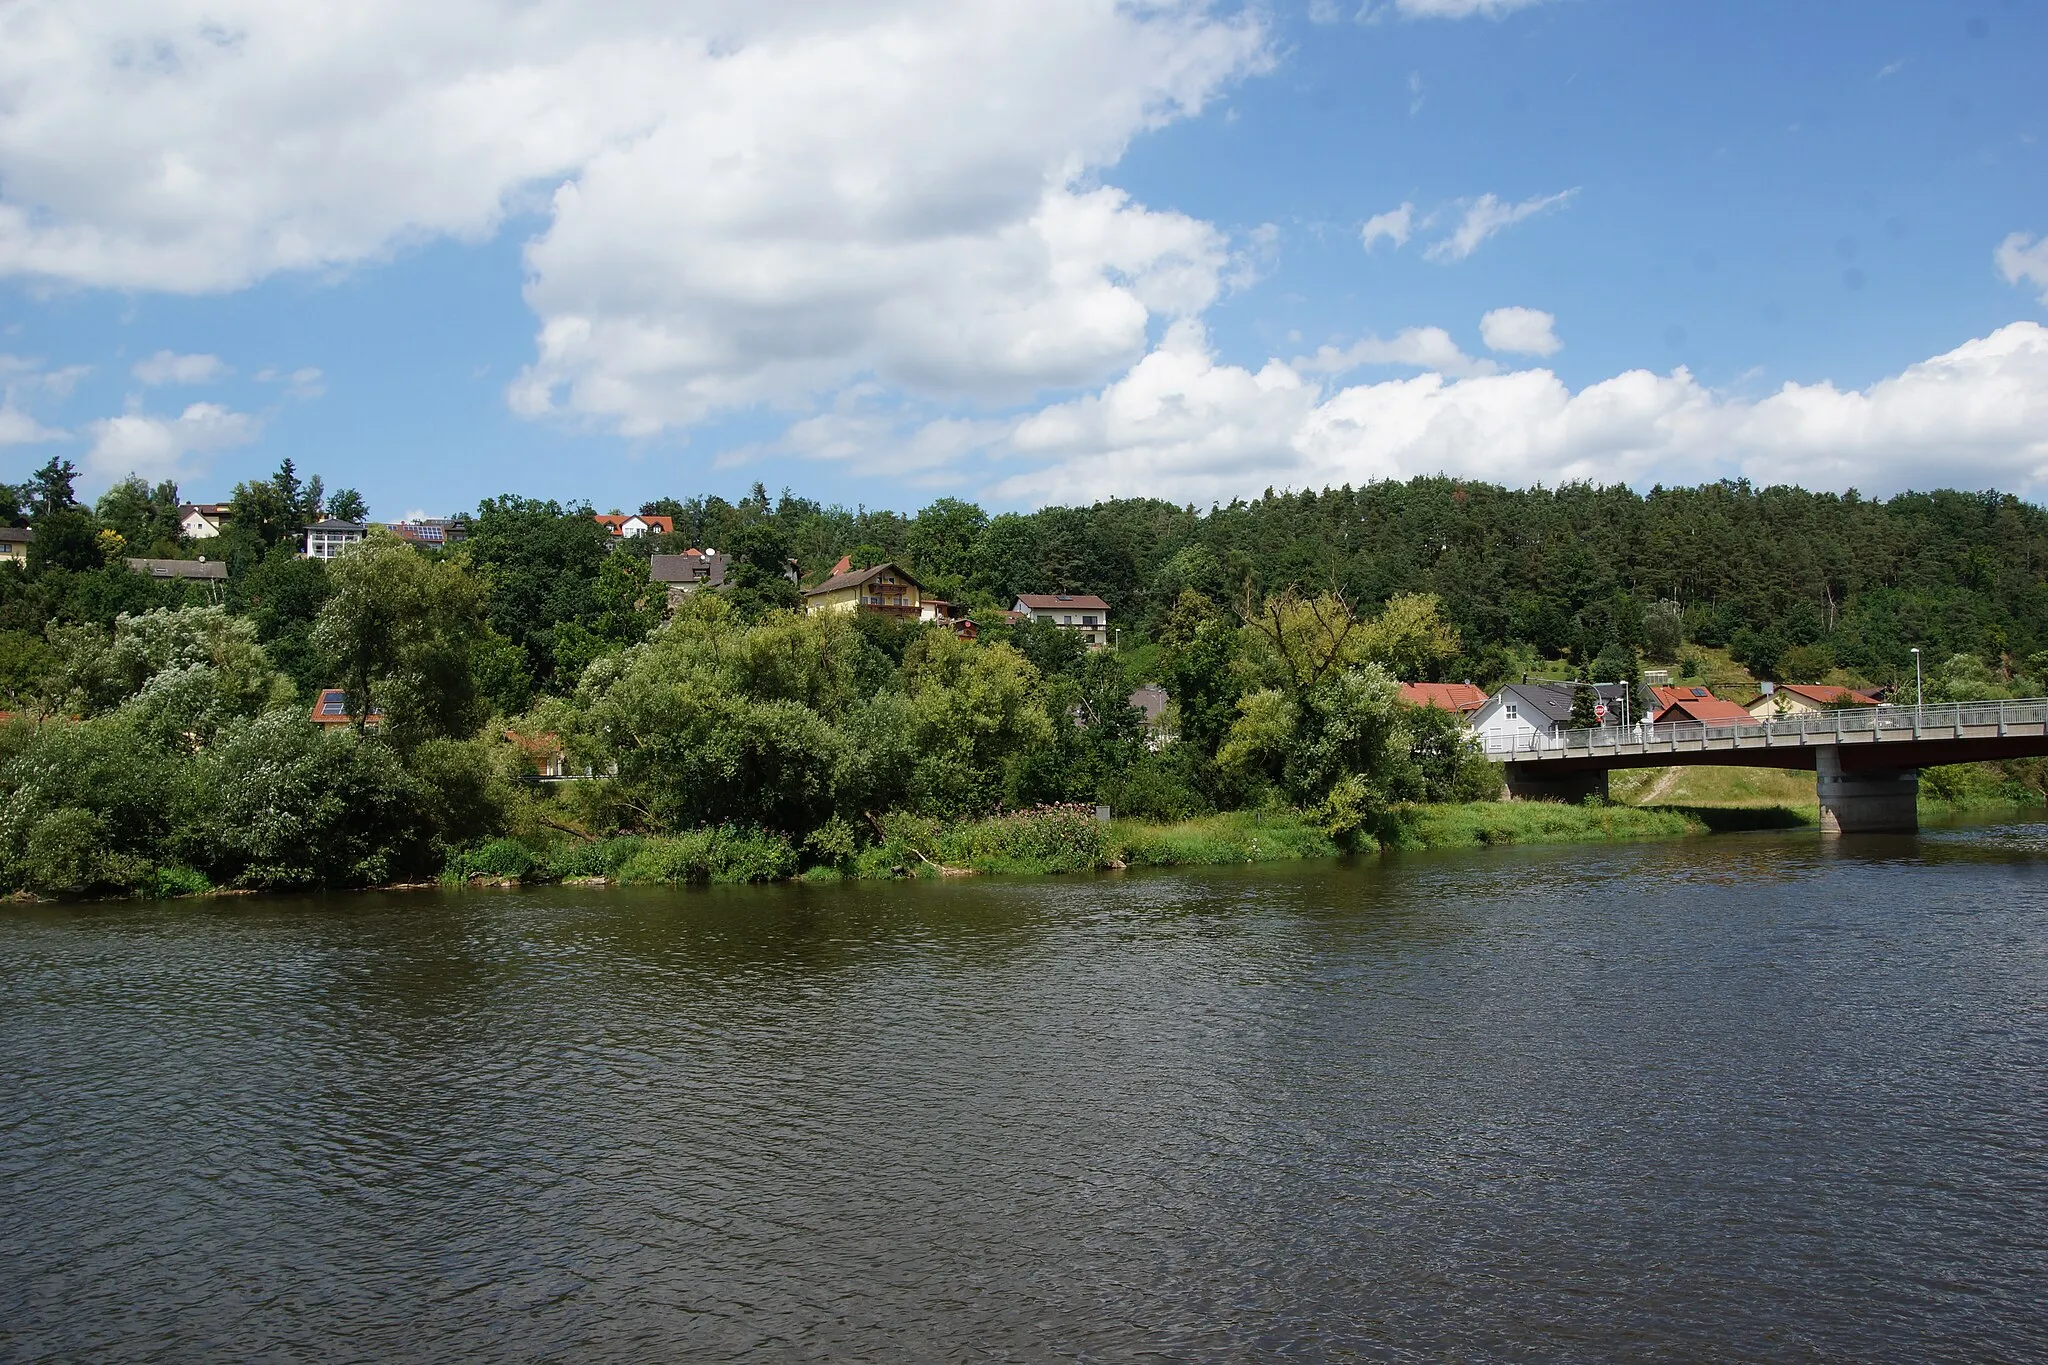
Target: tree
1663 632
941 541
757 577
145 518
541 562
51 486
398 633
1585 697
345 504
1410 638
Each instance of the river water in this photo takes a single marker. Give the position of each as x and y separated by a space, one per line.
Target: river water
1746 1098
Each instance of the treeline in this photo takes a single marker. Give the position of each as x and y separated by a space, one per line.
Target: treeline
1796 585
163 738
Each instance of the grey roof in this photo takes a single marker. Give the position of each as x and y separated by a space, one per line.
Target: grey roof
708 570
1553 700
23 534
332 524
212 569
1151 699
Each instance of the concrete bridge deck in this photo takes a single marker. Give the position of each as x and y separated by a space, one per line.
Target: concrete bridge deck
1867 760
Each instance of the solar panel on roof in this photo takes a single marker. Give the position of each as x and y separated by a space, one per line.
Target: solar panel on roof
1699 691
333 705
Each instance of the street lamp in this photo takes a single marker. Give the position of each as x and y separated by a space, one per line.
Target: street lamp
1919 695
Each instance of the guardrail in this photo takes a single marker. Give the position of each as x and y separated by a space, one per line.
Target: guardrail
1846 724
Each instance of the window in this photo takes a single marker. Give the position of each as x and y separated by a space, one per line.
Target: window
1510 711
1087 620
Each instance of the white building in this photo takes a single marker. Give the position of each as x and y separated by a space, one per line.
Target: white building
1084 613
1520 710
328 538
202 520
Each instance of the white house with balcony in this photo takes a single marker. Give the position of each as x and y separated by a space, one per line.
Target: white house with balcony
329 537
1083 613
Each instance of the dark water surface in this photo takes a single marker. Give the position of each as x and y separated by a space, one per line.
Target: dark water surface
1750 1098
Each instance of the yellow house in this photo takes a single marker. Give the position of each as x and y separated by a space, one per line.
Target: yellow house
14 544
1796 699
884 589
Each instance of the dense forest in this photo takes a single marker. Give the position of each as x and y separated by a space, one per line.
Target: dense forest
162 741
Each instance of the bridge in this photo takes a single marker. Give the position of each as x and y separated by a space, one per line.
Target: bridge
1866 760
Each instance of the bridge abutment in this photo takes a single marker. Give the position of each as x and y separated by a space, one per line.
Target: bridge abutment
1568 787
1865 801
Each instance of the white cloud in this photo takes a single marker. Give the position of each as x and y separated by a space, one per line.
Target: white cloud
1427 348
2020 257
1395 225
747 200
1459 9
18 428
1180 425
157 446
1520 331
168 367
24 382
1486 216
1890 69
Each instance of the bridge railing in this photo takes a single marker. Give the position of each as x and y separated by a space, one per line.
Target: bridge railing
1803 728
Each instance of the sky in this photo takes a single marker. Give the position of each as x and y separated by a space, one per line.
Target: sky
1022 251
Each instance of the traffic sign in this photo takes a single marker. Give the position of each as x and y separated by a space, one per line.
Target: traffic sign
1600 710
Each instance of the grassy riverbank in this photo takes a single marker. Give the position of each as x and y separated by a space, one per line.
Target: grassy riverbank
1036 843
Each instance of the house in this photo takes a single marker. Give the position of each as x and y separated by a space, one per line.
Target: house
1151 701
1460 699
683 574
883 589
431 533
202 520
14 543
1084 613
202 569
331 709
1523 709
1791 699
545 752
624 526
329 537
1698 705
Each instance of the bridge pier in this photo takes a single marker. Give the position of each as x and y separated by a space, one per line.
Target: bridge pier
1524 785
1865 801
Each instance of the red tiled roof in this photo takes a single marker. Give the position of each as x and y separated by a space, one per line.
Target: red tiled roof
1707 710
1665 696
331 708
1457 698
1062 601
1827 695
615 522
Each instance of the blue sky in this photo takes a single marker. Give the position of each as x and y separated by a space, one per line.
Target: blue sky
883 250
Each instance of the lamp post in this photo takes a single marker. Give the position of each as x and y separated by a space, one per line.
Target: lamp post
1919 693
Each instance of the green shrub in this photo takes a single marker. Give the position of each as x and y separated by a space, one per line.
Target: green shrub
67 854
720 854
1047 839
1271 835
180 881
506 858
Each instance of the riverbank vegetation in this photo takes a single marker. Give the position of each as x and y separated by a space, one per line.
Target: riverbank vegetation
527 704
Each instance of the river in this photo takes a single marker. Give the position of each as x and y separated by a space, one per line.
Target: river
1755 1097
